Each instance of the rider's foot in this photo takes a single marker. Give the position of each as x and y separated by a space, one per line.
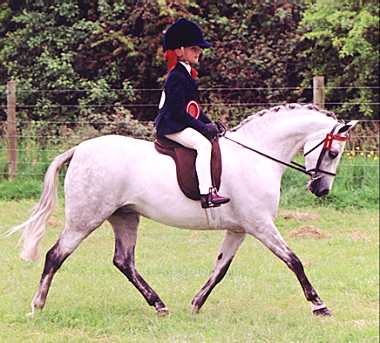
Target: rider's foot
213 199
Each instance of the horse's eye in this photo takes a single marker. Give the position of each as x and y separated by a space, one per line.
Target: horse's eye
333 153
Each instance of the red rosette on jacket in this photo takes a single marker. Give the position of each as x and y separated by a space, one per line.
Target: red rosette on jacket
193 109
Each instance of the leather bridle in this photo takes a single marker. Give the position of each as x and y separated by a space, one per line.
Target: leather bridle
327 144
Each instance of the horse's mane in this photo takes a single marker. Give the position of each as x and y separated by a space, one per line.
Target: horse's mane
284 107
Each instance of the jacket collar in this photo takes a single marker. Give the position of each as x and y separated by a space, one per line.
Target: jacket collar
182 67
187 66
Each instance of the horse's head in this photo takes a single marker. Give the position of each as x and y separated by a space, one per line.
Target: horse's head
322 156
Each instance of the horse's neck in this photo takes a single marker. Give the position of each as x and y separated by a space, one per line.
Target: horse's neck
282 134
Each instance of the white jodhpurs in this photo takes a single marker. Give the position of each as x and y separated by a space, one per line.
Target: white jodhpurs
193 139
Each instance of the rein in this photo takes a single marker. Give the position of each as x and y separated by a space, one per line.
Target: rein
327 144
292 164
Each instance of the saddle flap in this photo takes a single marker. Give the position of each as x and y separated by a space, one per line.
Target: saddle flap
185 165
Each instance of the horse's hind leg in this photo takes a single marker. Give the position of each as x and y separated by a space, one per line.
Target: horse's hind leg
272 239
230 245
66 244
125 229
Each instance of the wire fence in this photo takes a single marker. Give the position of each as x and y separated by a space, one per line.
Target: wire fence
202 90
33 159
221 88
370 129
205 104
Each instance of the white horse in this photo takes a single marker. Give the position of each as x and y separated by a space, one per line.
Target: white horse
118 179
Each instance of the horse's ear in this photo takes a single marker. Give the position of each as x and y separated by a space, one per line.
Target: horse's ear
348 126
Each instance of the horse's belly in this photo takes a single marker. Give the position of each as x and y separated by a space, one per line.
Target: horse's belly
155 194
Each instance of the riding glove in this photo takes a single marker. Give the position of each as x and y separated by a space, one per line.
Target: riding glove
211 130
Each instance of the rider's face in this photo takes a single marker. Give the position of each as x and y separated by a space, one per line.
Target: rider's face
189 54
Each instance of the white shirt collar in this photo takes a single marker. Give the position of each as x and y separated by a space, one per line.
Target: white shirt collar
187 66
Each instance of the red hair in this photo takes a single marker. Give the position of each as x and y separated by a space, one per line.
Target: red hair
171 58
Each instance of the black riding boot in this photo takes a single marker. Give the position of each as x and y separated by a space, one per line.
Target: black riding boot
213 199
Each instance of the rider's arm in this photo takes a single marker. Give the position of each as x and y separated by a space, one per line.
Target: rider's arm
176 102
203 117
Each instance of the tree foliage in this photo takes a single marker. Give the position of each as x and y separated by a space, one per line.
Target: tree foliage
89 60
344 47
255 45
40 52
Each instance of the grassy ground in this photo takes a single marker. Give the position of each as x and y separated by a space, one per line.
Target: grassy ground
258 301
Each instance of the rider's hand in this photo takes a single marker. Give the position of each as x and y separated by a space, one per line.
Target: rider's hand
211 130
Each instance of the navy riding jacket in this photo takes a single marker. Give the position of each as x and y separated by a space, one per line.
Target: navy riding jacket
179 90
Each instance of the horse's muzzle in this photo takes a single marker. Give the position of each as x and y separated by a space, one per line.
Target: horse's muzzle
318 186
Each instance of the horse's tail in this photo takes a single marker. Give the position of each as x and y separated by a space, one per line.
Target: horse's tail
34 228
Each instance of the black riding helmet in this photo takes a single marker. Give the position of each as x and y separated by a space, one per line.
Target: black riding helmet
184 33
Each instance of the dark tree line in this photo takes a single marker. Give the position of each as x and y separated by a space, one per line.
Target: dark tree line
103 53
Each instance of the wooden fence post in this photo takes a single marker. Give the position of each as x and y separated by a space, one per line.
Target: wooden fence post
11 129
319 91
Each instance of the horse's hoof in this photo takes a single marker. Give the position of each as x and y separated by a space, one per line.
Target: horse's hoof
323 312
195 309
32 314
162 312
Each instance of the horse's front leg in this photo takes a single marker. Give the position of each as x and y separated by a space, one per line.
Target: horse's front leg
230 245
272 239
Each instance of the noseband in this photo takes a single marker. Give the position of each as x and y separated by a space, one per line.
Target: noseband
327 144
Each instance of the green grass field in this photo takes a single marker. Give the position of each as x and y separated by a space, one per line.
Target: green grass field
259 300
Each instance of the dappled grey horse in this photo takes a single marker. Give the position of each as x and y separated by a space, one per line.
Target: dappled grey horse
118 179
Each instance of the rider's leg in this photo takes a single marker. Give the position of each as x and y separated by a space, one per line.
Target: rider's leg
193 139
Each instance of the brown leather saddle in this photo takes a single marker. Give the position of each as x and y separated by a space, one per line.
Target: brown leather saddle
185 165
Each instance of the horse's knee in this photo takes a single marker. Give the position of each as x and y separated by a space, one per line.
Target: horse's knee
125 265
125 262
120 262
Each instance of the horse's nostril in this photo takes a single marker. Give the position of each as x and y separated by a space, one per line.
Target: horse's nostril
318 188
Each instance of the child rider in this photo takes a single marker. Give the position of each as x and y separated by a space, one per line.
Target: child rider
180 117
